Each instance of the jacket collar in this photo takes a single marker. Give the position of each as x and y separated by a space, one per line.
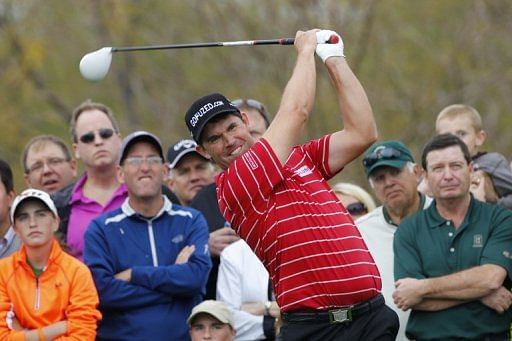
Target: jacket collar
129 211
20 257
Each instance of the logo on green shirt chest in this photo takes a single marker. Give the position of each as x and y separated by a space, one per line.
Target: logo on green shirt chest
478 240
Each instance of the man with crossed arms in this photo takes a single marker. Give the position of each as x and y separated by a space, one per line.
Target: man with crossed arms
277 198
453 260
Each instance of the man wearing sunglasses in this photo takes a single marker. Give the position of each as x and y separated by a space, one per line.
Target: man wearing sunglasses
149 258
259 118
276 196
96 142
393 176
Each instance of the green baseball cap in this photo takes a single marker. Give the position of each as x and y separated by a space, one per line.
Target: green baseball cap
388 153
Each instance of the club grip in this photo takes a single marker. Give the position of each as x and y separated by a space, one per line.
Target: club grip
286 41
333 39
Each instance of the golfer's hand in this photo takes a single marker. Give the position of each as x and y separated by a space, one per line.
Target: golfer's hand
305 42
326 51
408 292
221 238
185 254
499 300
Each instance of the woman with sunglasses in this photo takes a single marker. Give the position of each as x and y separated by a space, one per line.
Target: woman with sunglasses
356 200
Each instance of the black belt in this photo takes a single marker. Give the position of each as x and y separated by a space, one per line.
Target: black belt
339 315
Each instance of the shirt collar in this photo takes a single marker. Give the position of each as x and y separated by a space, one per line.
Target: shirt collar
129 211
437 220
77 193
9 235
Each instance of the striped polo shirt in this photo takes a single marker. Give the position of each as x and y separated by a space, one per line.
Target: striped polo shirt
295 224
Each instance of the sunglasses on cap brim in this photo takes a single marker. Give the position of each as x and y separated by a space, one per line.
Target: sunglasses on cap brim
387 153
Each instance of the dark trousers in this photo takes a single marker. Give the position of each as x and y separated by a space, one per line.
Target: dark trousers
380 323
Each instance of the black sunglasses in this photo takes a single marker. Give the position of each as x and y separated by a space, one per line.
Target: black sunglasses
104 133
379 154
356 208
254 104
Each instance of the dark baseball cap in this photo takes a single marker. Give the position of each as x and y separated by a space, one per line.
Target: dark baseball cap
498 168
139 136
180 149
388 153
206 108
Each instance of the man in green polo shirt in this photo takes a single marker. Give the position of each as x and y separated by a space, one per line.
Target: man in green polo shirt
453 261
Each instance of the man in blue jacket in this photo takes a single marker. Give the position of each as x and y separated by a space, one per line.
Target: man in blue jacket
149 258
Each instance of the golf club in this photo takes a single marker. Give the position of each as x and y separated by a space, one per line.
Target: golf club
95 65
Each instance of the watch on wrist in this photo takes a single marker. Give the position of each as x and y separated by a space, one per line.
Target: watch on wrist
267 305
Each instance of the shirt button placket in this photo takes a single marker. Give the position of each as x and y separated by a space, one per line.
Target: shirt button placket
451 248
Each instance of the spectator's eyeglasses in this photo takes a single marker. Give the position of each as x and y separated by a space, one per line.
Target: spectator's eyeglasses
52 163
357 208
104 133
136 161
254 104
379 154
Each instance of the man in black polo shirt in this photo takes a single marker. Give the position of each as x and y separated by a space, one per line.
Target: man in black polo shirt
453 261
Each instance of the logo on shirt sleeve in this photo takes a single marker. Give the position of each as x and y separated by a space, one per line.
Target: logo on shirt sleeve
250 160
303 171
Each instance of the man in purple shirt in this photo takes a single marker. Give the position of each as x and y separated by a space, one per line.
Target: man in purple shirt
96 142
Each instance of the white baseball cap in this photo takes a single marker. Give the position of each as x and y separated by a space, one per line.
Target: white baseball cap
214 308
36 194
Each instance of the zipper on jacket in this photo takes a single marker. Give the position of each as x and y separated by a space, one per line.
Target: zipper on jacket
37 303
152 243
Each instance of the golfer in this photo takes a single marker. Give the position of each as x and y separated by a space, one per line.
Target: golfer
277 198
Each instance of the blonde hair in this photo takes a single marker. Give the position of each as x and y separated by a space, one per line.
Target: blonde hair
357 192
457 110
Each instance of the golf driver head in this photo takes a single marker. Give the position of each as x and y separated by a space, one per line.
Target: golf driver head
94 66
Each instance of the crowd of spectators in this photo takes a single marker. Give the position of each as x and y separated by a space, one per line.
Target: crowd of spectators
137 247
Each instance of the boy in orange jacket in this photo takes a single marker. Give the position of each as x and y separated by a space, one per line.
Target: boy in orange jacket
45 294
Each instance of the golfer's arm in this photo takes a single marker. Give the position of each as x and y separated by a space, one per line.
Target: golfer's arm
469 284
296 104
360 130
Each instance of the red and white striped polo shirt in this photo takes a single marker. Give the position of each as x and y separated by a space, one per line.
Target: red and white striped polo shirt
295 224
